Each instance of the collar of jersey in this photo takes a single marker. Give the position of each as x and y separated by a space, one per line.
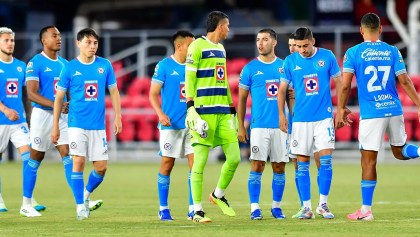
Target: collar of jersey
45 55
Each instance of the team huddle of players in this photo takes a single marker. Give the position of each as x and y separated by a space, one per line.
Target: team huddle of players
292 116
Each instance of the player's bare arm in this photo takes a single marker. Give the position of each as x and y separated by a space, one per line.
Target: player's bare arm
154 100
281 100
342 115
116 104
58 102
242 133
11 114
408 87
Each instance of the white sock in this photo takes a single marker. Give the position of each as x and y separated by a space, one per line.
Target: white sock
26 201
80 207
190 208
323 199
254 206
161 208
1 199
307 204
86 194
275 204
366 208
219 193
198 207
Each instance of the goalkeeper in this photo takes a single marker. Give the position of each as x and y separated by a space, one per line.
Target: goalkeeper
211 116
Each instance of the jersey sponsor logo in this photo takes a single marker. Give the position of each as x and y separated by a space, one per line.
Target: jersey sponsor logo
47 69
182 95
272 89
19 69
56 80
101 70
30 64
211 54
220 73
91 90
77 73
1 71
311 86
12 88
174 73
281 70
259 73
370 54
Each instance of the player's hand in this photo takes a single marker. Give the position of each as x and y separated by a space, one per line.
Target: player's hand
164 120
242 134
347 119
11 114
65 108
283 123
342 118
117 124
55 135
191 119
291 92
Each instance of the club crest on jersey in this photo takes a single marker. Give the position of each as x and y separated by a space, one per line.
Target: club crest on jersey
321 63
182 94
220 73
19 69
91 90
12 88
311 86
101 70
272 89
56 80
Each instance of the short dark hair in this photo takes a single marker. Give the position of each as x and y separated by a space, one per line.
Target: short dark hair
371 21
292 35
43 30
213 20
269 31
181 34
86 33
303 33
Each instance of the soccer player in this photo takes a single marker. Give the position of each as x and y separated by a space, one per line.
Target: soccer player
175 139
376 64
211 116
86 79
310 71
260 77
13 124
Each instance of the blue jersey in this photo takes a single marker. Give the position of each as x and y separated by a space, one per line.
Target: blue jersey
375 65
311 81
171 75
262 80
86 84
46 71
12 78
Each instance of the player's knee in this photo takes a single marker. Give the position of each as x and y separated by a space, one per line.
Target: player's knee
233 161
257 166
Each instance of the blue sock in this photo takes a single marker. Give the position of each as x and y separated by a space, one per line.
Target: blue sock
190 201
78 186
297 187
325 175
254 186
410 151
94 180
68 168
278 186
163 189
304 180
25 158
368 186
29 177
317 178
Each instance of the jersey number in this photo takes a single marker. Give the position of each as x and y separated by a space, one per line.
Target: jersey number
374 78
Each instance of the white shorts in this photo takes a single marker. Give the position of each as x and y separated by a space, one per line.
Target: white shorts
309 137
270 142
41 128
289 138
175 143
371 132
18 134
91 144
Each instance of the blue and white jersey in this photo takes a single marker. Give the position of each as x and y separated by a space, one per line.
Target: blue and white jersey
12 78
171 75
311 80
86 84
375 65
46 71
262 80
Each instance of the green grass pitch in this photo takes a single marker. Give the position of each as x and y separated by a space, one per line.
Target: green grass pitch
131 204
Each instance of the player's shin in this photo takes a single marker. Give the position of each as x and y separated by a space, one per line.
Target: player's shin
29 177
304 183
233 158
277 186
68 168
201 153
325 177
411 151
254 189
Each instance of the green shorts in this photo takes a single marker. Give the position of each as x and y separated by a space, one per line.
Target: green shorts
221 131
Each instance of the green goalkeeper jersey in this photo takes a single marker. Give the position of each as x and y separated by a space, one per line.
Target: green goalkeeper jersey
206 77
